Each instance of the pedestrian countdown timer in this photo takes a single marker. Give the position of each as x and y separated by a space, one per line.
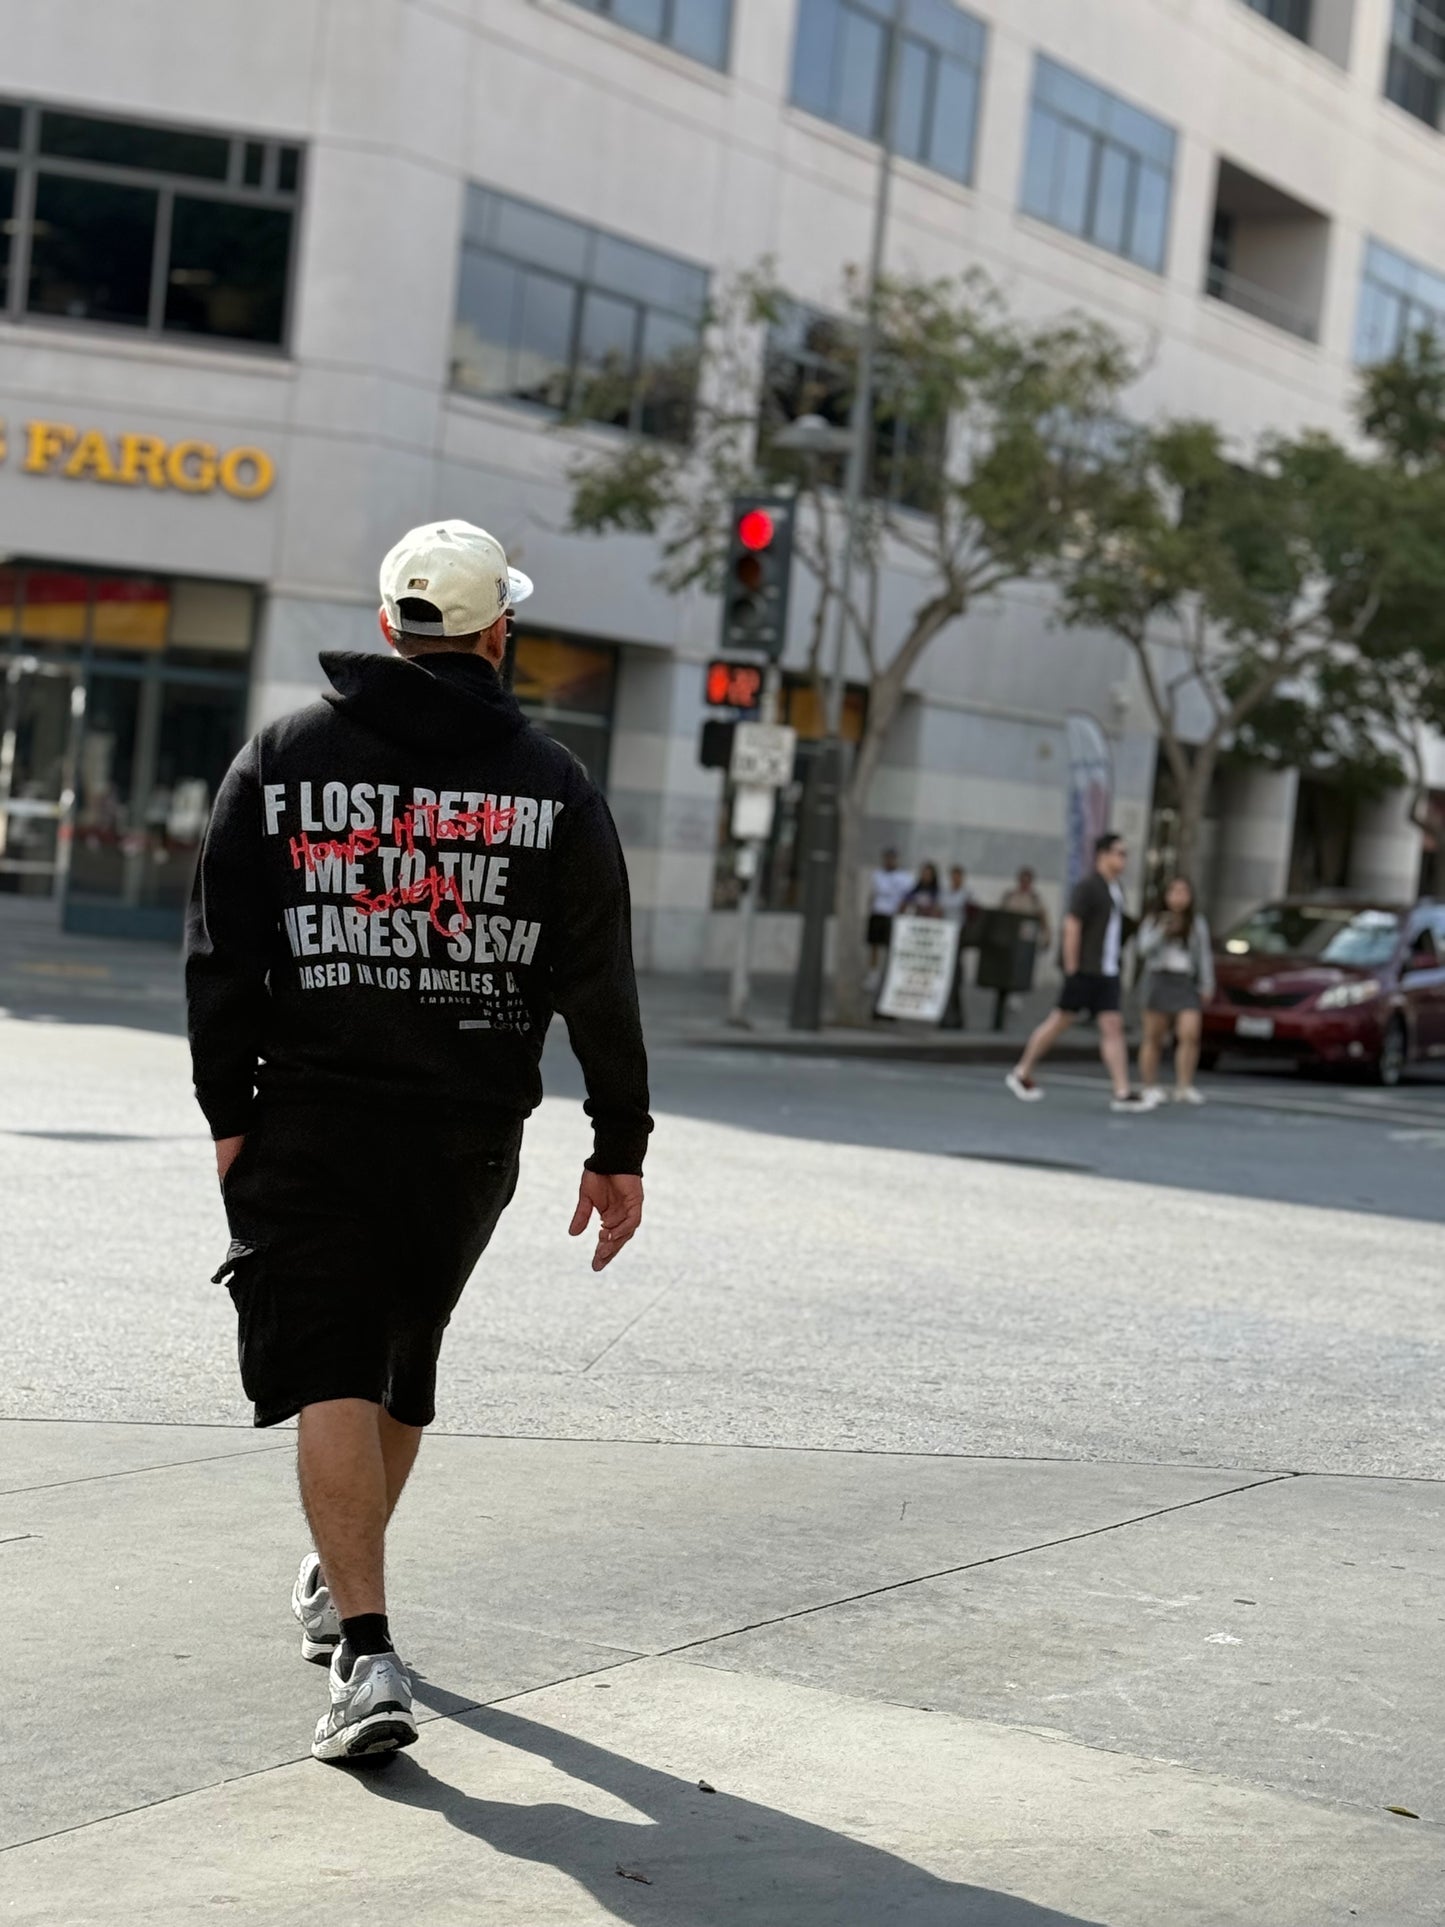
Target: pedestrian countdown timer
734 685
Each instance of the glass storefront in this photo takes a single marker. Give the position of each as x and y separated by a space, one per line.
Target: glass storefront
567 688
124 702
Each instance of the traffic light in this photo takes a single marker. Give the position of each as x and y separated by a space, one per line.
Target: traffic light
715 749
755 590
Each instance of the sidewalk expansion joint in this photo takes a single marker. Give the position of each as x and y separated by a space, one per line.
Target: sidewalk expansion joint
434 1718
134 1471
972 1565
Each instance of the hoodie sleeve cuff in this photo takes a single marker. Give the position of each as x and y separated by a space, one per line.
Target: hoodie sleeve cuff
617 1153
227 1113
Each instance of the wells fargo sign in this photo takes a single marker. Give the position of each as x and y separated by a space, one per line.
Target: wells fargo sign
142 461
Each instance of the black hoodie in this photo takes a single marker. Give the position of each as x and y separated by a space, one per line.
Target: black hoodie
399 885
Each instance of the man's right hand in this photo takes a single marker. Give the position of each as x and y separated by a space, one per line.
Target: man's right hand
617 1200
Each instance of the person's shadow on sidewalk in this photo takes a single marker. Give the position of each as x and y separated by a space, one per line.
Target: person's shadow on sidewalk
707 1859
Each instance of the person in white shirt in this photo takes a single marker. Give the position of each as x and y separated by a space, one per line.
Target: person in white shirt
888 890
957 899
1175 945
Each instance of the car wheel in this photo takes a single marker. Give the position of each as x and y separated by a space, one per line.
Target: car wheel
1394 1050
1208 1060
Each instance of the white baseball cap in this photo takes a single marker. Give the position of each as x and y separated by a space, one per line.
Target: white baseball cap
458 568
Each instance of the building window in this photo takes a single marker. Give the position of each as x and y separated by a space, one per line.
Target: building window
1097 167
1292 16
575 320
840 62
1399 300
1415 77
700 28
808 370
155 229
567 689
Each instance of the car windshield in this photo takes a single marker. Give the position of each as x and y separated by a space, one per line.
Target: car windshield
1326 933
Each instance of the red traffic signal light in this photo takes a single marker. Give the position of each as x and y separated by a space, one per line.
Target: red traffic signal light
755 529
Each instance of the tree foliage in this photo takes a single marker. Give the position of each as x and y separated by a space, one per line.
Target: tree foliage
988 431
1286 605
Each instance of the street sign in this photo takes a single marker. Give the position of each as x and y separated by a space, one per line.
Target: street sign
753 814
763 755
733 685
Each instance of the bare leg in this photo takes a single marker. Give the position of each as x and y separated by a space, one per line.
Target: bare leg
1043 1040
399 1447
1114 1049
1156 1029
1186 1048
344 1488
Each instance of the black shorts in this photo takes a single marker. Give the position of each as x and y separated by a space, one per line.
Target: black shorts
1086 994
350 1245
880 930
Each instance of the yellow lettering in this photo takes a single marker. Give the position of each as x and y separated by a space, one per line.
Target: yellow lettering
142 458
247 488
192 466
91 457
45 443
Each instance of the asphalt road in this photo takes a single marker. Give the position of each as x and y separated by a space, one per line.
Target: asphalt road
1266 1133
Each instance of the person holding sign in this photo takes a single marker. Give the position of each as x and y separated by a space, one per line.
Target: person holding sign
1096 929
399 886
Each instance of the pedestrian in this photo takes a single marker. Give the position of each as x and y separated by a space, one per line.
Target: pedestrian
1175 945
1024 900
1095 931
887 888
923 899
957 901
399 885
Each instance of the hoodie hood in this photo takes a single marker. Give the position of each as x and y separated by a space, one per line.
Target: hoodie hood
446 701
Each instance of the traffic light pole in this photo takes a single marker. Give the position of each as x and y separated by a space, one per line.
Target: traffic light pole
749 869
821 805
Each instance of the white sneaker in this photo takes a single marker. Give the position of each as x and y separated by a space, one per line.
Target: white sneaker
370 1709
1152 1096
312 1604
1024 1088
1190 1096
1132 1104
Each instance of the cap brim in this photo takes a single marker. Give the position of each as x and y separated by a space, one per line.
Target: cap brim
520 585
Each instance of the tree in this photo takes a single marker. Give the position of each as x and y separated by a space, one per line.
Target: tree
985 436
1299 594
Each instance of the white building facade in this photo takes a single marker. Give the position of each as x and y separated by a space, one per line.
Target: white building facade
284 278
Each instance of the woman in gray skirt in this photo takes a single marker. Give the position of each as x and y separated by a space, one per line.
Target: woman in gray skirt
1175 946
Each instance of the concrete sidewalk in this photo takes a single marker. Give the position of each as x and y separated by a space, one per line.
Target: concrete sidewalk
725 1687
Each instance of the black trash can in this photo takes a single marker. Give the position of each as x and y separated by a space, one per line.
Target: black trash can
1008 943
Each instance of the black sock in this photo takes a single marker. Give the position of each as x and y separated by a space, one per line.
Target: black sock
366 1633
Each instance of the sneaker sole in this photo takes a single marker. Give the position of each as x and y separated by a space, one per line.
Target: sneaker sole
382 1733
319 1651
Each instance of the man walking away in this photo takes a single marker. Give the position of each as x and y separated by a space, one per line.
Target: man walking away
1096 929
399 886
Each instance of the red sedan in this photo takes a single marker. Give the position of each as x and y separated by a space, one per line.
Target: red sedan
1360 985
